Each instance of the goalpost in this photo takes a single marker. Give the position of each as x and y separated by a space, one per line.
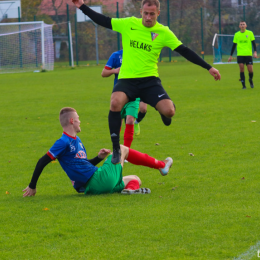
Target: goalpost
222 44
26 46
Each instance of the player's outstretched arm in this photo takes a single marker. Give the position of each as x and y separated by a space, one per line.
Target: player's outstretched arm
30 190
98 18
196 59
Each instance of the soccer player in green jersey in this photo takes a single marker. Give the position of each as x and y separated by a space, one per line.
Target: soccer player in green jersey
143 39
243 40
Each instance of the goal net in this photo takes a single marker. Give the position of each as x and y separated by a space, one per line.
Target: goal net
26 46
222 45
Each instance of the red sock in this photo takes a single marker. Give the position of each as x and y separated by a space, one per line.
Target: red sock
138 158
128 135
133 185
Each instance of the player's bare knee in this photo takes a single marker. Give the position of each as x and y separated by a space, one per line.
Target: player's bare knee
170 112
130 120
143 110
124 151
115 105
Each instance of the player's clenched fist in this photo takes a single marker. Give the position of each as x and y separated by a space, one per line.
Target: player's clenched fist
78 3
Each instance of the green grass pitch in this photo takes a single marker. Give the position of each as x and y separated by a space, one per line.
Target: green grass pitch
207 207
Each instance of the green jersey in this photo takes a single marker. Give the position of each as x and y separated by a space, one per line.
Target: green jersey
244 42
142 46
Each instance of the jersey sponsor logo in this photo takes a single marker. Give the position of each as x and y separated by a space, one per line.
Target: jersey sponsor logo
72 148
246 36
81 145
113 135
81 155
243 41
73 182
138 45
154 35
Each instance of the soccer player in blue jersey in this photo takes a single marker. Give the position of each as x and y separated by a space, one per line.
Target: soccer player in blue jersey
130 110
83 173
142 39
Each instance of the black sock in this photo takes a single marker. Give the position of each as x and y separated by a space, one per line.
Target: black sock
140 116
114 121
242 77
251 76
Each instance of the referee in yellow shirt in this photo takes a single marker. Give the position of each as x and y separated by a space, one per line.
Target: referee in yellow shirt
243 40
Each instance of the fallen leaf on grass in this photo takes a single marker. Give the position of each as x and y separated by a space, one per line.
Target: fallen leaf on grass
7 192
253 121
157 144
248 216
243 178
160 183
191 154
45 209
174 188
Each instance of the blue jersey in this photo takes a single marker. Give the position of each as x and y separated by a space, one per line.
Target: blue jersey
72 157
114 62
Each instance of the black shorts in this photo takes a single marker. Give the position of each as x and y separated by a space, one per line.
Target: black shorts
248 60
149 89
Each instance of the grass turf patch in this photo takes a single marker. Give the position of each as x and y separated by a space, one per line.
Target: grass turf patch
206 208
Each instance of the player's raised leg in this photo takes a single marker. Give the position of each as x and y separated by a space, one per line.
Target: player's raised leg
138 158
118 100
166 109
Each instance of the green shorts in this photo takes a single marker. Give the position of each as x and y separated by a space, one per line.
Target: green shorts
131 109
106 179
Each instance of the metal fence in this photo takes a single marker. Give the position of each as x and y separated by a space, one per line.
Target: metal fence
194 26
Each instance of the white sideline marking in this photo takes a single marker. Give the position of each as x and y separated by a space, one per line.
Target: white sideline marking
252 251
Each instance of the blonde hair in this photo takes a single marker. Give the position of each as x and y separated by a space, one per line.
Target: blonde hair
65 115
151 2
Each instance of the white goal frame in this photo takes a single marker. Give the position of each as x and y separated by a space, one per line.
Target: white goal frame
41 26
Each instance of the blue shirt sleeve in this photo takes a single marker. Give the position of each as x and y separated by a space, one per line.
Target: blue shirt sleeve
111 61
58 148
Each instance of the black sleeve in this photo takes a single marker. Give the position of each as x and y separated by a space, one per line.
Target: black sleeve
192 56
95 160
97 17
254 45
38 170
233 48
